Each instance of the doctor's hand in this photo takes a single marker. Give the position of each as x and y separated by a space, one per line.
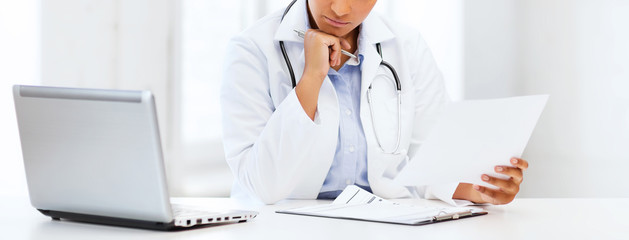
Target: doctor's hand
507 188
322 51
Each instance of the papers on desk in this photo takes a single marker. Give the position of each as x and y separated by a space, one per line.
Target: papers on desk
471 138
355 203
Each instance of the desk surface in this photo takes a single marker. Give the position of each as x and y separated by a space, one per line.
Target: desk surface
522 219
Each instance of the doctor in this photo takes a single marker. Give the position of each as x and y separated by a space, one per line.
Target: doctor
302 120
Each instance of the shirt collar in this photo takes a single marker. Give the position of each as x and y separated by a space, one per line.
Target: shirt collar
354 61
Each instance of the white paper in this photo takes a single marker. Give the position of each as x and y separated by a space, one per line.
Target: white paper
356 203
471 138
353 194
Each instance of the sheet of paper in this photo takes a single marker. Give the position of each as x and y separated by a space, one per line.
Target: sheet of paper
471 137
353 194
356 203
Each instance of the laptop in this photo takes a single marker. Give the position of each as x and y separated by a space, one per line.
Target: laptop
94 155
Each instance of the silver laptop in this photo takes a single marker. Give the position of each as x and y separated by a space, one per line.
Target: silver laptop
95 156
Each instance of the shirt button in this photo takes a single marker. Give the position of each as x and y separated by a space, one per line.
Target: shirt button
348 182
348 112
352 149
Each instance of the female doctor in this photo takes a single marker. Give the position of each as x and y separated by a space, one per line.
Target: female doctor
302 120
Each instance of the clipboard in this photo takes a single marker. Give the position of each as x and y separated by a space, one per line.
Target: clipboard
355 203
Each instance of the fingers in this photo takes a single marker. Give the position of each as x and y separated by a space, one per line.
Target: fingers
494 196
345 43
507 186
332 43
335 55
513 172
516 172
319 53
338 45
520 163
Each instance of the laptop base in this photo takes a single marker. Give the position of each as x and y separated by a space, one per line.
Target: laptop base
124 222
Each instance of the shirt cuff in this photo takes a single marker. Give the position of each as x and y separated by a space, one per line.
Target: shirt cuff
444 193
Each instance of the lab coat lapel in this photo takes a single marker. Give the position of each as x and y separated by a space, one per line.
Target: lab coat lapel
295 19
328 108
373 30
369 66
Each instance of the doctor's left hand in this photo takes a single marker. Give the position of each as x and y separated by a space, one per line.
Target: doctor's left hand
507 188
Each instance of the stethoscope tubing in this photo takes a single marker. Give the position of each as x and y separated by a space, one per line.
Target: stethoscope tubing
286 59
398 87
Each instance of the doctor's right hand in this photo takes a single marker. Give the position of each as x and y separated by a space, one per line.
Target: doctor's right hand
322 51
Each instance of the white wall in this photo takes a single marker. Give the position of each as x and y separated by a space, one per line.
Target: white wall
109 44
113 45
19 64
441 23
490 48
577 52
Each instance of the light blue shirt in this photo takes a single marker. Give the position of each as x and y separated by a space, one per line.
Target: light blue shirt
350 159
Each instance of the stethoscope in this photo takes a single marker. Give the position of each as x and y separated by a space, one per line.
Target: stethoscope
398 87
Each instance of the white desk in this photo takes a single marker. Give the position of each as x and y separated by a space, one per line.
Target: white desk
522 219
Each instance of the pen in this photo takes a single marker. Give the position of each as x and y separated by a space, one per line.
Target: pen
302 34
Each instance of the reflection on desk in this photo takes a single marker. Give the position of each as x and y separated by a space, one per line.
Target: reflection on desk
522 219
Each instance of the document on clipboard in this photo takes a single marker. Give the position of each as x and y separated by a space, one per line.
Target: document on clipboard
355 203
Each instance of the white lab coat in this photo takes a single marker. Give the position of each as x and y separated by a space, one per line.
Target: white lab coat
275 151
